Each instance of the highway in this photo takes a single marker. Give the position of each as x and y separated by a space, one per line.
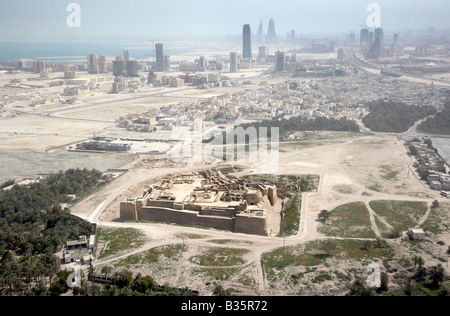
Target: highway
362 64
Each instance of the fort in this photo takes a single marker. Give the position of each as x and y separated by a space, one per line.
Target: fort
210 198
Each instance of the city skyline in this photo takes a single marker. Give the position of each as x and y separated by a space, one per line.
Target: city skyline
45 20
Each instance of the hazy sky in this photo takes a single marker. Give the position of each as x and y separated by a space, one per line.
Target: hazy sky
46 19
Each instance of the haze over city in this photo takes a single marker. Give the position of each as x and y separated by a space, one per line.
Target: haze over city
179 19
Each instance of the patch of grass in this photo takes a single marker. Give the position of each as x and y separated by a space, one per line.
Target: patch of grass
113 241
375 187
190 236
350 221
342 276
344 189
220 257
230 241
301 275
388 174
321 278
402 215
292 217
276 263
218 274
157 254
436 219
247 279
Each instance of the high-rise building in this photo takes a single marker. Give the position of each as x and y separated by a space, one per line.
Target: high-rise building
271 34
352 37
38 66
233 62
262 52
131 67
118 85
395 40
202 63
92 64
364 38
151 78
260 34
340 54
159 55
126 55
102 64
379 33
375 49
280 58
166 63
119 67
247 42
421 51
292 35
371 38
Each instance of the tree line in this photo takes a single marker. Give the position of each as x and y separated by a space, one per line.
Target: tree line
34 225
298 124
122 283
394 117
439 124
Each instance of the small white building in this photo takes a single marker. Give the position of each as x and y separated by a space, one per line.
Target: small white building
79 250
416 234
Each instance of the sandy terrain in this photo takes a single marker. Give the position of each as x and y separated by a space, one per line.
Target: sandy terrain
352 168
348 165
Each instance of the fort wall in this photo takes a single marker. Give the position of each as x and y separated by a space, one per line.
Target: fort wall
251 224
164 215
128 211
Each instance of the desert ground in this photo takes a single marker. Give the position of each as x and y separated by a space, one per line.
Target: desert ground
353 168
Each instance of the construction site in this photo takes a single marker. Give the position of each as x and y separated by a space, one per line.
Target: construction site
210 198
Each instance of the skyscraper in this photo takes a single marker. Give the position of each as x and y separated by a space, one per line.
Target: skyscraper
395 40
159 55
260 32
92 64
379 33
364 38
292 35
233 62
38 66
119 66
279 61
262 52
271 34
102 64
131 68
126 55
247 45
371 38
375 49
202 63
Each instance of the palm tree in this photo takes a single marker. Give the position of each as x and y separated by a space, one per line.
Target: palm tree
219 290
106 270
437 274
418 261
324 215
409 287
